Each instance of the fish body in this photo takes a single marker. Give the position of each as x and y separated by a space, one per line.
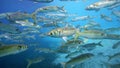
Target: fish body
117 55
62 32
42 1
49 9
9 28
79 59
116 13
92 34
18 16
81 18
107 18
116 45
101 4
12 49
90 46
34 61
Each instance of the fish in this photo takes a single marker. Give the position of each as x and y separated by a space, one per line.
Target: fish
45 50
4 15
112 29
116 45
42 1
68 0
62 32
113 36
21 16
117 55
107 18
27 23
34 61
92 34
71 44
90 25
77 60
9 28
116 13
50 25
81 18
101 4
114 6
49 9
12 49
90 46
96 34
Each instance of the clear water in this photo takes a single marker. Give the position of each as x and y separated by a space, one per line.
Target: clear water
54 60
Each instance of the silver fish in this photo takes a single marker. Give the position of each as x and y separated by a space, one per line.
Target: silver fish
12 49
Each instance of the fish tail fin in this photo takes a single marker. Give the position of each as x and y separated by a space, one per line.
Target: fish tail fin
109 58
29 63
63 64
62 9
99 43
34 18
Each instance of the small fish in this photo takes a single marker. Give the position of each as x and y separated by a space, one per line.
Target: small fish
9 28
21 16
62 32
34 61
112 29
92 34
90 25
116 45
49 9
76 60
90 46
12 49
42 1
45 50
81 18
107 18
117 55
102 4
116 13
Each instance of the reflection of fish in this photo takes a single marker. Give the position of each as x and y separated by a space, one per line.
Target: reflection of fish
33 61
79 59
11 49
102 4
116 45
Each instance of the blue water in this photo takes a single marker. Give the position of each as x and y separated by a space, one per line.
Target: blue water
19 60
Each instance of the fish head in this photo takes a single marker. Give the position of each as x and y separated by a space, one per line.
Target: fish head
21 48
90 7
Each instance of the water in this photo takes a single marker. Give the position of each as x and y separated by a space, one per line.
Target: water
53 60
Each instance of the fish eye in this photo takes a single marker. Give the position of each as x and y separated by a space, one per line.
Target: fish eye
51 33
19 46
